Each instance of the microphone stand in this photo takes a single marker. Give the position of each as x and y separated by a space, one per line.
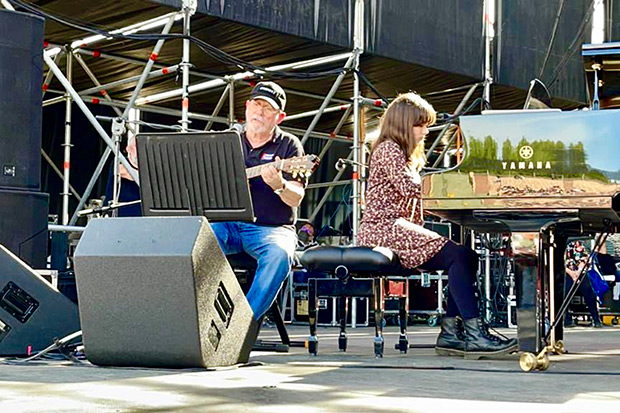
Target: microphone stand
342 163
103 209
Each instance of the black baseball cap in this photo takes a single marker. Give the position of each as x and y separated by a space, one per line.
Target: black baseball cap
270 92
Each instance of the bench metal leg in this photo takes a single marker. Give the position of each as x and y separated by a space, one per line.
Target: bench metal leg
379 309
403 310
313 340
342 337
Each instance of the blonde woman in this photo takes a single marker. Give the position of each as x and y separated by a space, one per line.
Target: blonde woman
393 219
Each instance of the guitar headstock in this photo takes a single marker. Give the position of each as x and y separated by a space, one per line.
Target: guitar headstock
302 166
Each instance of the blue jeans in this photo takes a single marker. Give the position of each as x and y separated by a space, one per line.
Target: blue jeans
272 247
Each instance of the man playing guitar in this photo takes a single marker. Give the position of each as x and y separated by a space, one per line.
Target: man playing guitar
271 239
277 171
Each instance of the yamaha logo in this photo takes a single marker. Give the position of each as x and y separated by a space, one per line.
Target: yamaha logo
526 152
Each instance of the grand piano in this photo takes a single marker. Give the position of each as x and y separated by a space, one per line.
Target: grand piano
540 176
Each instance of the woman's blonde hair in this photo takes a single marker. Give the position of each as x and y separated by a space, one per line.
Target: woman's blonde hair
405 112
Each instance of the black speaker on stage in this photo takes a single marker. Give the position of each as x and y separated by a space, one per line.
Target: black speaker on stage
23 225
159 292
21 74
32 312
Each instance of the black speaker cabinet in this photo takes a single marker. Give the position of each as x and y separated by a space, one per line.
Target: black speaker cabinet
23 225
32 312
159 292
21 74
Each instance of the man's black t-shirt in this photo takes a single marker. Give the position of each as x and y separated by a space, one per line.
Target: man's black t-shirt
269 209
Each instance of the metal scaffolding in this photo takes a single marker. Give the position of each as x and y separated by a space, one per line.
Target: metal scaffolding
226 85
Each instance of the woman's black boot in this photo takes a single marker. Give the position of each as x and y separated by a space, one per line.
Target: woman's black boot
451 340
479 342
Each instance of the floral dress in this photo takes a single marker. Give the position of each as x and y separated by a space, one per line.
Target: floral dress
393 213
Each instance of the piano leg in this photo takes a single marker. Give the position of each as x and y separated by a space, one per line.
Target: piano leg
539 275
559 245
531 256
551 265
536 338
530 321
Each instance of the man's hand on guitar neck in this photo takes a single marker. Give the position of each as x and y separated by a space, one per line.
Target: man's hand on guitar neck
290 192
272 175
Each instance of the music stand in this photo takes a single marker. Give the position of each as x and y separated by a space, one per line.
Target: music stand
200 174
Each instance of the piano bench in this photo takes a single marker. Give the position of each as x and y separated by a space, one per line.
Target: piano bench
356 272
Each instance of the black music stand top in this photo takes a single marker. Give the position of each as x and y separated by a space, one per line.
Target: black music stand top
198 173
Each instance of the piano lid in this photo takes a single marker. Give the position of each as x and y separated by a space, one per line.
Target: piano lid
524 168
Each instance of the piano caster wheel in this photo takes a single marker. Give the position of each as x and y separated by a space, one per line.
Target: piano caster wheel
529 362
342 343
433 321
544 363
313 345
378 347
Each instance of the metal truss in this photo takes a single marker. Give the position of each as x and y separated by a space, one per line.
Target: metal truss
99 93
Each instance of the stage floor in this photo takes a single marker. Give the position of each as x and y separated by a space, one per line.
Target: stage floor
585 380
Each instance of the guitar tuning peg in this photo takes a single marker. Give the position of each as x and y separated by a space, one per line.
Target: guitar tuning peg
302 174
294 174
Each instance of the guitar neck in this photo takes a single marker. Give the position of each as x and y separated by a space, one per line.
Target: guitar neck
254 171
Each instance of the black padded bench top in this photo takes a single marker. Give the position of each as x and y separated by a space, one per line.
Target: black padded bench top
358 260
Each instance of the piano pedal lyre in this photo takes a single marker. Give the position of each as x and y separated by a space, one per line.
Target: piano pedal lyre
529 361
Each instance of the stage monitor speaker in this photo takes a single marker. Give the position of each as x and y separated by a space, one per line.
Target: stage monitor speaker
32 312
23 225
159 292
21 76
